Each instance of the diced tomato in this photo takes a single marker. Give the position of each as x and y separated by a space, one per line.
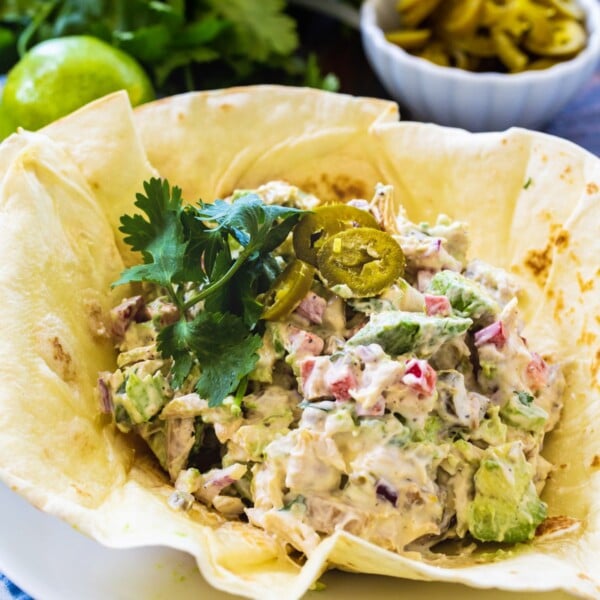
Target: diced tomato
420 376
340 381
437 305
492 334
377 410
306 368
537 372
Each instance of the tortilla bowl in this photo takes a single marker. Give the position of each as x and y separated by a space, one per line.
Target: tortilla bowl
533 205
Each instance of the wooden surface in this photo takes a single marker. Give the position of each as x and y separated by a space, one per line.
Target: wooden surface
340 51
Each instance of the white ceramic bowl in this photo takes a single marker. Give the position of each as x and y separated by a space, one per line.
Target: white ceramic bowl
474 101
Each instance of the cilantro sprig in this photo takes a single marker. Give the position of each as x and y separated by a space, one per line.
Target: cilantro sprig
219 254
182 44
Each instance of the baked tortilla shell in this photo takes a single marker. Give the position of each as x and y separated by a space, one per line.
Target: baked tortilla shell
533 206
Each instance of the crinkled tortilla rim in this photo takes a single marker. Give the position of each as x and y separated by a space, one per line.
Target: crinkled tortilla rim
533 206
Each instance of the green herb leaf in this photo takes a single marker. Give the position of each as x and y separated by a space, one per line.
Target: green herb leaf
253 224
217 253
182 367
259 29
258 229
525 398
235 41
223 346
315 79
159 237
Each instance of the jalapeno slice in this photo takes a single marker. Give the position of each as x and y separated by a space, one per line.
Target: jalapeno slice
316 227
413 12
508 52
569 9
567 38
435 52
460 16
364 260
410 39
288 289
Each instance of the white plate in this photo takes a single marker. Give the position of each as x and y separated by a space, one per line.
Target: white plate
51 561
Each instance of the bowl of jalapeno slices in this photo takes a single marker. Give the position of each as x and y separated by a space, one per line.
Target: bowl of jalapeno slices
482 64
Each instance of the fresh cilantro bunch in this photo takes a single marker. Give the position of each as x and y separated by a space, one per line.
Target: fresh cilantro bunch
183 44
219 254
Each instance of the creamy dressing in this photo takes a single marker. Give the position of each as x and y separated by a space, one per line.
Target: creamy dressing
401 419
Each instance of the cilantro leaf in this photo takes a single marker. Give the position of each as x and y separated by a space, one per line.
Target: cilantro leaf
259 29
159 238
217 253
257 227
315 79
182 367
524 398
247 305
183 45
250 222
223 346
197 247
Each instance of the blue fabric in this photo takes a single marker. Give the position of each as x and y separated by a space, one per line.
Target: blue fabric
580 120
10 590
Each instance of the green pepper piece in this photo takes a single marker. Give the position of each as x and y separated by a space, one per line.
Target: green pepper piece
399 332
364 260
288 290
313 230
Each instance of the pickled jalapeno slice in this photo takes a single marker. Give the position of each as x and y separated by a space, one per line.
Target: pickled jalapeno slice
364 260
316 227
566 39
288 289
508 36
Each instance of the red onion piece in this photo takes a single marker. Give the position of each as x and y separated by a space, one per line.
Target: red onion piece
386 492
312 307
492 334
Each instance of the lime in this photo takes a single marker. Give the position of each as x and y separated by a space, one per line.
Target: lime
58 76
7 125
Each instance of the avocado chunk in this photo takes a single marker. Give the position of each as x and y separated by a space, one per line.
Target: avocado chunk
506 507
521 412
491 430
467 297
155 434
398 332
144 397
